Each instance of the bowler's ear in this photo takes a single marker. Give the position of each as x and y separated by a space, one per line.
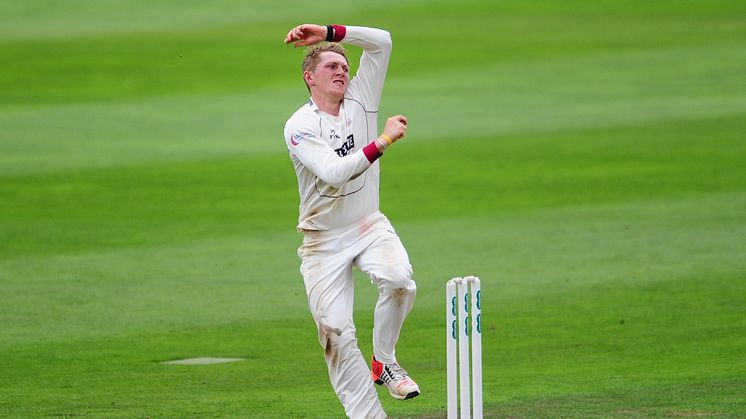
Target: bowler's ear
308 77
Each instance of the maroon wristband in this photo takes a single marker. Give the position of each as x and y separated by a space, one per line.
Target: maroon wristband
339 33
371 152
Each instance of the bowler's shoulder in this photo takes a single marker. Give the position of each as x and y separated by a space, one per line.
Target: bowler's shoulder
306 118
304 114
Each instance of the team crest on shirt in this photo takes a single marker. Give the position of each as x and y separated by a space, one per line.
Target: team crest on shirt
296 138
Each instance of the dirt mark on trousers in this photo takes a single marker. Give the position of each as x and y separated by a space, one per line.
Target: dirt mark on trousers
399 295
329 350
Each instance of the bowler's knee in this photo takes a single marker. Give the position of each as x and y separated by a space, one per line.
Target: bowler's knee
396 276
339 345
337 336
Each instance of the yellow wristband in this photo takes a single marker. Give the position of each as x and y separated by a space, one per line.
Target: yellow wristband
387 139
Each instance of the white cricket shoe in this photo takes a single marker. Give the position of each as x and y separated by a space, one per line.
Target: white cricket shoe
400 385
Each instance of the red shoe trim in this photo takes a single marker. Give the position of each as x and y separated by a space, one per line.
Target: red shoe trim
377 370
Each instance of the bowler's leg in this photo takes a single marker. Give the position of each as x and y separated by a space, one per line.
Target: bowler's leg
330 289
386 262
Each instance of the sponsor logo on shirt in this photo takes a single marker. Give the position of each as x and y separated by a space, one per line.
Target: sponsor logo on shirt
346 146
296 138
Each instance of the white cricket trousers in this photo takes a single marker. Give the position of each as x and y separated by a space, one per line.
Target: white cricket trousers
327 258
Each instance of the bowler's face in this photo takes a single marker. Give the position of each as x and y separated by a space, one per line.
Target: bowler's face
331 76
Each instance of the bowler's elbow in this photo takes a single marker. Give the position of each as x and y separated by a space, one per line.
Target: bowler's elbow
385 41
386 37
379 40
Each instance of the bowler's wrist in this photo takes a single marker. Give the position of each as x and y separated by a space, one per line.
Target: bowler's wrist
335 33
372 151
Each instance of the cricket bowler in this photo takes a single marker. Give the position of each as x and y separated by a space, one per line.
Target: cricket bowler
335 147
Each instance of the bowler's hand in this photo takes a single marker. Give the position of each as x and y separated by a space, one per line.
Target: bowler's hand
306 34
396 127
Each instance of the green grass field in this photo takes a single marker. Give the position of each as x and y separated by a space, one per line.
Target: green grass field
586 159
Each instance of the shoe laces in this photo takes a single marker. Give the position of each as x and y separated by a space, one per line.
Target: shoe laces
396 372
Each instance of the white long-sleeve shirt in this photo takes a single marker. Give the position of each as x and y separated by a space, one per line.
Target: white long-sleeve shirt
337 183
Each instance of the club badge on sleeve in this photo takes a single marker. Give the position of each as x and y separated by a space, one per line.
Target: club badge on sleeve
296 138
